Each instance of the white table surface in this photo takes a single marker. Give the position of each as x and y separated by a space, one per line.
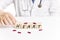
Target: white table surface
50 26
50 31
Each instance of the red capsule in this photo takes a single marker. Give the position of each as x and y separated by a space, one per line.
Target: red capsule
25 23
14 30
34 23
19 32
29 32
40 29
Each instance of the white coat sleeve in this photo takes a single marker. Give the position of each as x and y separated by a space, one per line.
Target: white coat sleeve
55 7
23 7
4 3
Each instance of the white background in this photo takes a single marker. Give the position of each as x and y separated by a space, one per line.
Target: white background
50 25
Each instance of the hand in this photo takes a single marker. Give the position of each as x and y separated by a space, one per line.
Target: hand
6 19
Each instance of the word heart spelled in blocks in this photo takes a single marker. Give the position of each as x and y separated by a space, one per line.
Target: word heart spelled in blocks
28 25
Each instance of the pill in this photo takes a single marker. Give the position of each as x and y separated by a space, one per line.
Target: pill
29 32
14 30
34 23
25 23
19 32
40 29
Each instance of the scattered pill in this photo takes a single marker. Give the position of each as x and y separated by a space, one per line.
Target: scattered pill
29 32
34 23
14 30
40 29
19 32
25 23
